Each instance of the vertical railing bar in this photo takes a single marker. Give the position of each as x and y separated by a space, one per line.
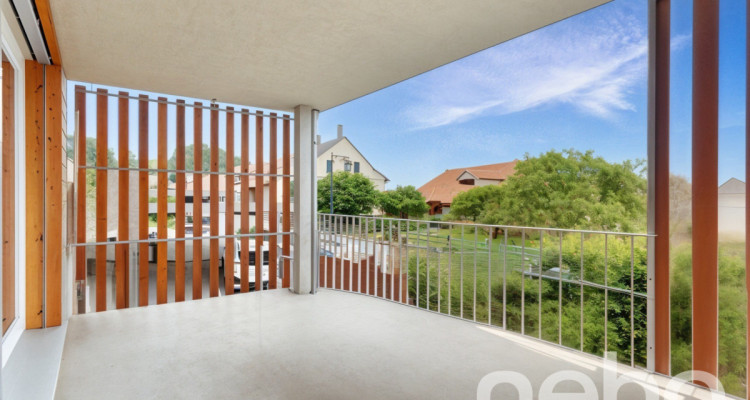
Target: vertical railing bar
489 276
390 255
342 252
427 268
439 278
632 300
474 303
382 257
505 271
350 239
400 265
523 281
539 300
581 285
606 293
367 255
359 255
418 251
559 292
461 288
450 265
328 250
408 229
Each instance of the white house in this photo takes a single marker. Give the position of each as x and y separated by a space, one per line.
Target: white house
732 210
341 155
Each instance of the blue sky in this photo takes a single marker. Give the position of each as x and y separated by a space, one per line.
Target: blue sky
580 83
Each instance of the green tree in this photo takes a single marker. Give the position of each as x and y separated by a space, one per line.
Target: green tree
404 202
571 189
471 204
190 160
353 194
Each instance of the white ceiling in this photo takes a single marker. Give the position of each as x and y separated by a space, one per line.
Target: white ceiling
281 53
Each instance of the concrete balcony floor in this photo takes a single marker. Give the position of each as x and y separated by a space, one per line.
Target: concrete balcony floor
277 345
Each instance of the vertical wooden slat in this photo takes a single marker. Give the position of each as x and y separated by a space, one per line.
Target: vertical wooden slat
53 197
273 218
143 267
213 276
34 98
705 187
286 201
80 107
161 202
229 209
9 196
245 203
259 201
122 264
101 198
179 210
198 201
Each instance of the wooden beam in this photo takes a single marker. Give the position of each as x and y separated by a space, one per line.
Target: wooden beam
662 330
198 201
80 107
122 261
213 277
9 196
35 144
179 210
286 200
161 202
143 267
273 218
48 28
101 198
245 203
229 208
705 187
259 201
53 196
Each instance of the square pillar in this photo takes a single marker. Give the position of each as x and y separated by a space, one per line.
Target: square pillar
305 260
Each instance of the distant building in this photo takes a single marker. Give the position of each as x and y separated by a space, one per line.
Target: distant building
732 210
440 191
346 157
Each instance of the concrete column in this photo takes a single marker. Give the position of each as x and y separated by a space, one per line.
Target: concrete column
305 261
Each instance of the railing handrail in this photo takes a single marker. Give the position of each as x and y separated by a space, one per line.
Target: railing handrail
510 227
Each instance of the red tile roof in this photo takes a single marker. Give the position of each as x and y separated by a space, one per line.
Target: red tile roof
444 187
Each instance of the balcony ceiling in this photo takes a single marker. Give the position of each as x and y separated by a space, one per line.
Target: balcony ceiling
277 54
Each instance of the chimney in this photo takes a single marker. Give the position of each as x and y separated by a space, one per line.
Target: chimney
317 139
341 131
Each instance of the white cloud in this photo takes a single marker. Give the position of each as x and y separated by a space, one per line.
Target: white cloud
591 62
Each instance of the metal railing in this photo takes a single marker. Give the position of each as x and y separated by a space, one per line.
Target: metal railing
581 289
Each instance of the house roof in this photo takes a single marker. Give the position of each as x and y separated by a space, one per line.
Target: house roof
444 187
283 53
732 186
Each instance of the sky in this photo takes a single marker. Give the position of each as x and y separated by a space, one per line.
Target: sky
580 83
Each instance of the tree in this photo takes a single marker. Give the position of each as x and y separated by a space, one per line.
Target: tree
190 163
404 202
471 203
571 189
353 194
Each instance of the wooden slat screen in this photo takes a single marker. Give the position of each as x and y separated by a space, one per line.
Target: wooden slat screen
122 263
229 206
171 210
258 200
245 204
161 204
101 198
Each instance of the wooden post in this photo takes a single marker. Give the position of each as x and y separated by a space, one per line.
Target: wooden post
258 201
179 210
214 207
273 218
286 201
245 203
143 260
101 198
80 107
229 209
122 262
161 203
34 87
198 201
705 186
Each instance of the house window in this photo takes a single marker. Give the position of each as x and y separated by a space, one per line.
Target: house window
329 166
356 167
